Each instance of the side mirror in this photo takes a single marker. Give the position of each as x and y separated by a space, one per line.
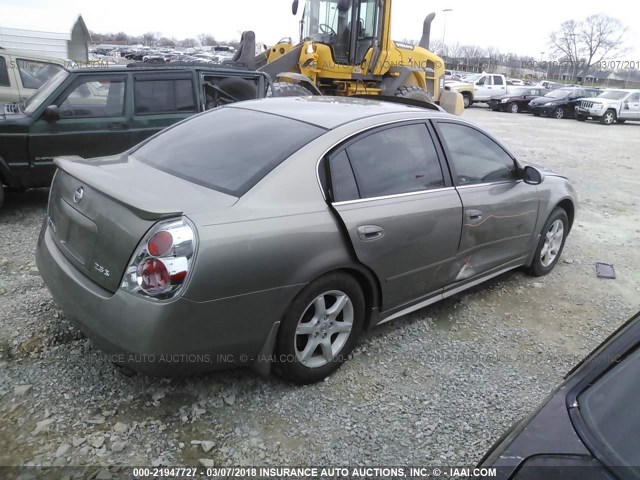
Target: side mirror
294 7
51 113
532 176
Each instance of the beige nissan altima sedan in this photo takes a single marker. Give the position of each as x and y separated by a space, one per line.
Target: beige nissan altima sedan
272 233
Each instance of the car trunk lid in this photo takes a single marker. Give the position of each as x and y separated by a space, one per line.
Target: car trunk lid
100 209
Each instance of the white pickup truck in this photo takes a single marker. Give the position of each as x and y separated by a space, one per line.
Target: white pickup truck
479 87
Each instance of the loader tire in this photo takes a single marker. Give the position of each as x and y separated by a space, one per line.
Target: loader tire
286 89
238 88
414 93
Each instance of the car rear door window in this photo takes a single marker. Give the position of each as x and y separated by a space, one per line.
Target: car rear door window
395 160
4 73
94 97
164 96
343 182
228 149
474 156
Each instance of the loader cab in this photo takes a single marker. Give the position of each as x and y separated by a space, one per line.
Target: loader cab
349 27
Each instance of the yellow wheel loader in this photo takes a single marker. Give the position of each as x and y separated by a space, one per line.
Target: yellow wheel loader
346 49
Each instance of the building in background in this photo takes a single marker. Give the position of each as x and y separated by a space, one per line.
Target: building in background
69 44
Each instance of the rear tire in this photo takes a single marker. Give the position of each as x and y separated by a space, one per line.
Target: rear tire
580 118
1 194
314 340
286 89
608 118
620 121
549 249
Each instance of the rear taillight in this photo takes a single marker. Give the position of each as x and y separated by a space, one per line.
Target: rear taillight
162 262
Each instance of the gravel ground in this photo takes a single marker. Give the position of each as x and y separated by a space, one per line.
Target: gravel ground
436 387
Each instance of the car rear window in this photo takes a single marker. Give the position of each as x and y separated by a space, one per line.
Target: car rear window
228 149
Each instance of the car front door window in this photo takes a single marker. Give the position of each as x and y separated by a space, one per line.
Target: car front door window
475 157
94 98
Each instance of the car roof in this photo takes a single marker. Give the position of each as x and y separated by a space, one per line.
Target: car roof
331 112
98 68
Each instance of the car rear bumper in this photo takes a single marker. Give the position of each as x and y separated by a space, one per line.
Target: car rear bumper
179 337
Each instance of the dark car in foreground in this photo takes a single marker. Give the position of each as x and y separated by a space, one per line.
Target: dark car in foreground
561 103
517 100
276 231
587 429
93 112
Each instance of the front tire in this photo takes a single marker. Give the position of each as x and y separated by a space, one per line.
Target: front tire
580 118
320 329
467 100
549 249
1 194
514 108
558 113
608 118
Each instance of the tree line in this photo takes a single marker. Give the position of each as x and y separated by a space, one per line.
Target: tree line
581 45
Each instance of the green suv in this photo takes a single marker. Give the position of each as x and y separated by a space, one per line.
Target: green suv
93 112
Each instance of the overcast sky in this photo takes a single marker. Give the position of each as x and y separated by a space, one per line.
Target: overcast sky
519 27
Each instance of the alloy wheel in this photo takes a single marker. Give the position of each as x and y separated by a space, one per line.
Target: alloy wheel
609 118
552 243
558 113
513 108
324 329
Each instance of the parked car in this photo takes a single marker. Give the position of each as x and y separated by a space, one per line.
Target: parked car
97 111
338 215
517 100
560 103
515 81
479 87
550 85
22 73
611 106
588 427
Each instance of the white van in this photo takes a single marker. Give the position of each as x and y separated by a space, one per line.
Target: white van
22 73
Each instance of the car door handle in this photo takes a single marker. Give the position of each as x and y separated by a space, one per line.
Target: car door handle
117 126
370 232
474 215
